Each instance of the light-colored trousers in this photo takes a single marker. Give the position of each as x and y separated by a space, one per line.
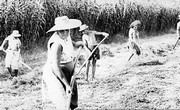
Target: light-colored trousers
11 59
55 89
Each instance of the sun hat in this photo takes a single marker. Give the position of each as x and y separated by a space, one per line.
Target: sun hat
15 33
83 27
63 23
135 23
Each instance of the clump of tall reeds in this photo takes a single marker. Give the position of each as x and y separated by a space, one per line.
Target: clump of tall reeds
34 17
25 16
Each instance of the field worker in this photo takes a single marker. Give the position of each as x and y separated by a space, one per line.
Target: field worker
58 69
133 37
178 28
90 43
12 52
177 32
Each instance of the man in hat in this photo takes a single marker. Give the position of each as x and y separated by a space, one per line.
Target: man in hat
90 43
133 36
12 52
59 68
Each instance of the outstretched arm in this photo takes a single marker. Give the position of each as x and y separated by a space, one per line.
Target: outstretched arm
101 33
4 42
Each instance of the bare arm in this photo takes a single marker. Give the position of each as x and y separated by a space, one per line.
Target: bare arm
78 43
85 43
101 33
137 35
19 49
4 42
56 57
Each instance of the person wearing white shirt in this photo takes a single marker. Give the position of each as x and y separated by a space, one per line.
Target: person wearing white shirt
12 52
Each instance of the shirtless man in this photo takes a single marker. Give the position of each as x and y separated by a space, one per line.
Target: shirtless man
90 43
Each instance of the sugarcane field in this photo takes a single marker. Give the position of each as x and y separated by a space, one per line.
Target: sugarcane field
89 54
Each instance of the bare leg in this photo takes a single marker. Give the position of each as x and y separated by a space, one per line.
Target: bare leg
87 69
93 68
10 71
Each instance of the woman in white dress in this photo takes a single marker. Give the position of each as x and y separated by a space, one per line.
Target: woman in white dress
59 67
12 52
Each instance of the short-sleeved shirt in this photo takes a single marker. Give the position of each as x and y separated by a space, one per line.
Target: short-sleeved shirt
13 44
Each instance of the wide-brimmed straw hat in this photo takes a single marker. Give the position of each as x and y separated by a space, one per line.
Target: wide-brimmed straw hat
135 23
15 33
63 23
83 27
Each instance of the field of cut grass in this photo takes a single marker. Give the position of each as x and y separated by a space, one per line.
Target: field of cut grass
150 81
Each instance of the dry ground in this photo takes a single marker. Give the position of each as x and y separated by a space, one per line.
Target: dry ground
150 81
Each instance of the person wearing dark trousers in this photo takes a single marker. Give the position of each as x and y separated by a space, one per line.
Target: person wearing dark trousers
59 67
90 42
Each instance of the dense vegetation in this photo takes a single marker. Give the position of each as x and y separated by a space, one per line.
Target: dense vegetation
34 17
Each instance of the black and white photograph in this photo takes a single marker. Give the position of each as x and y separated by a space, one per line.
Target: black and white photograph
89 54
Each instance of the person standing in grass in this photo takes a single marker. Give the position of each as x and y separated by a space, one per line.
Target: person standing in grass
12 52
178 28
177 32
133 37
90 43
59 67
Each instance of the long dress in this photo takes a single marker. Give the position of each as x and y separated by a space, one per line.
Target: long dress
55 88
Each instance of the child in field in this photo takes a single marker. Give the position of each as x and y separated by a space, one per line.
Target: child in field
59 68
178 28
132 41
177 32
90 43
12 52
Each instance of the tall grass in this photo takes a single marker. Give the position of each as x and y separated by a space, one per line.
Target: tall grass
34 17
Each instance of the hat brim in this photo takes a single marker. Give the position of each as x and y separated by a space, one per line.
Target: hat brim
135 23
72 23
84 28
16 35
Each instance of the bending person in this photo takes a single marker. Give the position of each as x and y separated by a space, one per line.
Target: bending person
59 67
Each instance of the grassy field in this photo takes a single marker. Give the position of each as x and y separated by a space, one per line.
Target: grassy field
150 81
